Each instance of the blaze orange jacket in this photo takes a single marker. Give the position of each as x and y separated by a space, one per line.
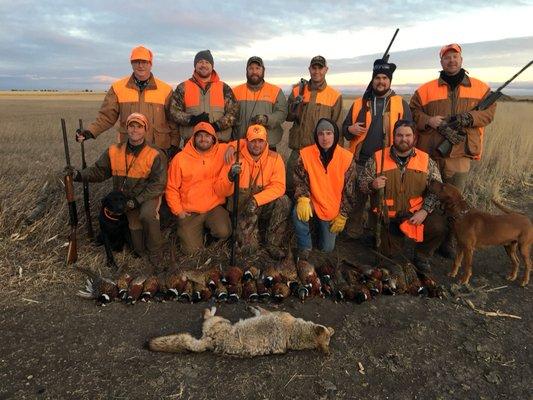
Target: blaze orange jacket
191 179
267 174
326 185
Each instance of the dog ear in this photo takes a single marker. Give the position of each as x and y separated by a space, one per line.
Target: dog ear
321 330
331 330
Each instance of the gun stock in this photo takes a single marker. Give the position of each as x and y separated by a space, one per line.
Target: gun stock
86 198
72 253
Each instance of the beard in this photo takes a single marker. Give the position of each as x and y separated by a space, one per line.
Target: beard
255 79
403 146
380 93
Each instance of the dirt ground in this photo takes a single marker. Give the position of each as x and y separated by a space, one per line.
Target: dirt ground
393 347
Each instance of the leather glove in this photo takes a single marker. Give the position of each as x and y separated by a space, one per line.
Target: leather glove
234 171
83 134
463 120
172 151
132 203
452 135
260 119
195 119
76 176
303 209
337 224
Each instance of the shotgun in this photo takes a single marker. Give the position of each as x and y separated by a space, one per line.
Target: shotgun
86 199
235 210
445 147
385 57
72 254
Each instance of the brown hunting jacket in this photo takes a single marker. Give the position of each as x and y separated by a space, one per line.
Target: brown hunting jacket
436 98
124 98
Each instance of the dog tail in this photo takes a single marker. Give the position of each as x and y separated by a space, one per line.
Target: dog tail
505 209
179 343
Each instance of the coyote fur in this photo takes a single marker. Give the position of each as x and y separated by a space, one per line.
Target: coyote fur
265 333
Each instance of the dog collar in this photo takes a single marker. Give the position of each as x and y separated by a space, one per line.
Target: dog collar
109 215
461 213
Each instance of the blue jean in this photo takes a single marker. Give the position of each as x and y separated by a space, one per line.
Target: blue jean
326 239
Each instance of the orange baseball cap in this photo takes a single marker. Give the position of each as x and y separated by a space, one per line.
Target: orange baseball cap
256 132
138 117
141 53
449 47
204 127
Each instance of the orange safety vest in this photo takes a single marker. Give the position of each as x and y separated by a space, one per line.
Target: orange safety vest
129 95
197 102
432 91
326 184
395 113
268 93
127 164
327 97
404 193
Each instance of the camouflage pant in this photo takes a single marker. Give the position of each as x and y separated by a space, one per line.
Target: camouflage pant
271 219
356 219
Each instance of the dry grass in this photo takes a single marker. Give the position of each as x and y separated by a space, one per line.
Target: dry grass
32 255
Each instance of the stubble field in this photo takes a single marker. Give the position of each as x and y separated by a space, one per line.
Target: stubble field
59 346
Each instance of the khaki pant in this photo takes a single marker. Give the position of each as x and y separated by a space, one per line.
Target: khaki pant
455 171
191 229
146 218
292 162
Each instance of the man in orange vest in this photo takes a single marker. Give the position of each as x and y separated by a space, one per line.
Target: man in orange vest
260 102
142 93
324 180
139 170
367 121
410 207
262 187
451 97
190 189
307 104
204 98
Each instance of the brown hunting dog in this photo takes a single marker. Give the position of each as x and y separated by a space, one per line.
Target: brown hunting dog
475 229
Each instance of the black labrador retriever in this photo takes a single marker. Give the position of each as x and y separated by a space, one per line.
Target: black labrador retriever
114 231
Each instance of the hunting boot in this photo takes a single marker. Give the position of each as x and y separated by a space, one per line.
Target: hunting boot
154 244
137 240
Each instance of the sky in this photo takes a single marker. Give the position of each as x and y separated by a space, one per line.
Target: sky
86 44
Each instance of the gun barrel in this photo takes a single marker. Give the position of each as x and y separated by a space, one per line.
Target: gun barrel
514 76
391 42
65 141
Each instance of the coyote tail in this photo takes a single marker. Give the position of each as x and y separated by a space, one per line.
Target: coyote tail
179 343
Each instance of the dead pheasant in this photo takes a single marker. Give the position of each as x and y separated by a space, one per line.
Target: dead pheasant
186 293
200 292
123 283
135 289
234 292
309 279
233 275
249 291
280 291
262 291
101 289
272 275
150 288
213 277
251 273
414 287
175 284
221 293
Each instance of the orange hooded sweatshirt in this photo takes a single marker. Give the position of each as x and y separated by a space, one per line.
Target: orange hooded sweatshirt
268 173
191 179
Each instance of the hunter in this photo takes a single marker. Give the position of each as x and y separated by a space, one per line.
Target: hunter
323 189
368 123
139 170
262 196
189 192
410 208
204 98
307 104
451 97
261 103
141 92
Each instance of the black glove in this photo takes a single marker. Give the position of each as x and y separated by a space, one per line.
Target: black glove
85 134
463 120
195 119
132 203
453 136
260 119
76 176
234 171
172 151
